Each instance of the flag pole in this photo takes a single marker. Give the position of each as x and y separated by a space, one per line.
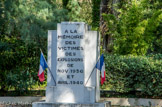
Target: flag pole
90 75
91 72
48 68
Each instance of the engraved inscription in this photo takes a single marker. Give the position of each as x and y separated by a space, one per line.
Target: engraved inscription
70 57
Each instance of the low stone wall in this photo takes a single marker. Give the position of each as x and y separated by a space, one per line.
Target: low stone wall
19 101
134 102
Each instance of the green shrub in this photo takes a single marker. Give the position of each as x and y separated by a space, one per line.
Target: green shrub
130 73
19 64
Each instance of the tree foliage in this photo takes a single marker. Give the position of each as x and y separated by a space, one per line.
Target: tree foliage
65 3
79 11
95 13
31 19
74 10
23 31
136 29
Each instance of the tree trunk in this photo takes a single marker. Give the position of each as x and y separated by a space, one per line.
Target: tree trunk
103 25
107 8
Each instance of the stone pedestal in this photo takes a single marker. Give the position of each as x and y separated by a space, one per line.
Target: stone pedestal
45 104
53 95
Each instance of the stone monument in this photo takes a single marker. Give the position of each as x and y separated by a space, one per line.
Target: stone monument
73 51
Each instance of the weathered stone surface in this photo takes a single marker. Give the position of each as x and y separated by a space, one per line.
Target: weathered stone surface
72 55
44 104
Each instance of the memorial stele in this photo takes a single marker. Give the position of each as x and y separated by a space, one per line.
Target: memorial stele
73 51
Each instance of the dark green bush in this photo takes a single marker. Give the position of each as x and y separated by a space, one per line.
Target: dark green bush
19 63
129 73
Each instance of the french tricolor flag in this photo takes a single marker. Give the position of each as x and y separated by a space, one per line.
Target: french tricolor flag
101 66
43 65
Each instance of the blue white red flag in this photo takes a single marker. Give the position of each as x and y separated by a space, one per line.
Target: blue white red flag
43 65
101 66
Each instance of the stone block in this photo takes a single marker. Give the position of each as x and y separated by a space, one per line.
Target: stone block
44 104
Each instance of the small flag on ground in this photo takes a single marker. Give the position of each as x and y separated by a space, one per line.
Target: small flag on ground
101 66
43 65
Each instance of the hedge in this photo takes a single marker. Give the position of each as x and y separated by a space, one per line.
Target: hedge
129 73
19 64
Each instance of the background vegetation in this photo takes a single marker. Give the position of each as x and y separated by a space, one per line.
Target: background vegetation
136 29
132 41
134 73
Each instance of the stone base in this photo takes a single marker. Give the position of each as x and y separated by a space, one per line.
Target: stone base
61 94
45 104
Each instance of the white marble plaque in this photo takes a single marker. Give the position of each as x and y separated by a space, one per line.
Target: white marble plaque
70 54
